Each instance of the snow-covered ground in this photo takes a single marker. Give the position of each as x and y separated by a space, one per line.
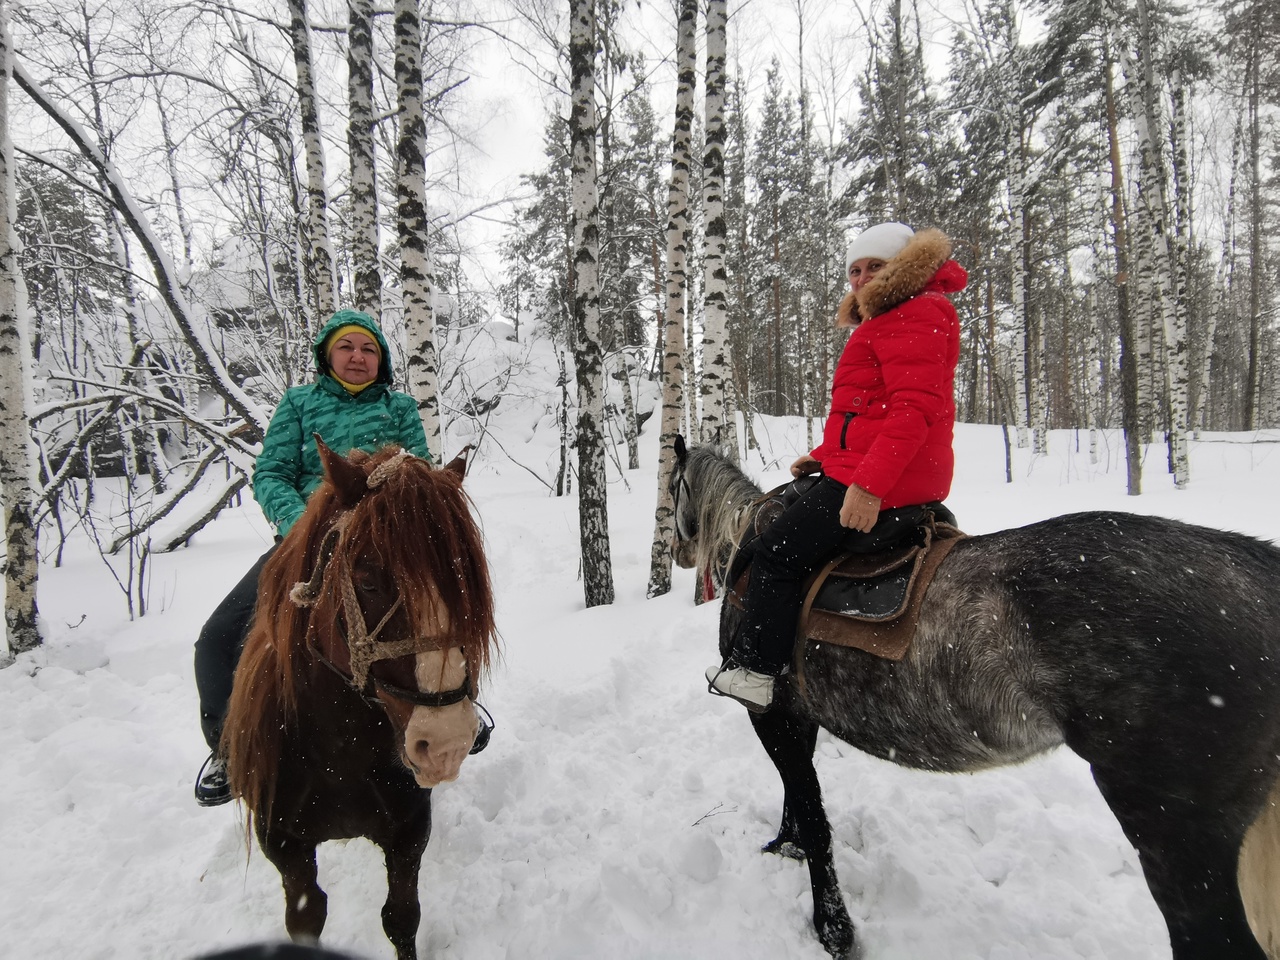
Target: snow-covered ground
619 810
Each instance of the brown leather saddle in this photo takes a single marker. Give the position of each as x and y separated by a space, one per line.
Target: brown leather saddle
869 599
872 601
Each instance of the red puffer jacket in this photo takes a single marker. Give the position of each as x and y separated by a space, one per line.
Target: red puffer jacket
893 406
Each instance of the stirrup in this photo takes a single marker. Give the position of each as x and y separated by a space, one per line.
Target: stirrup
486 729
212 787
713 674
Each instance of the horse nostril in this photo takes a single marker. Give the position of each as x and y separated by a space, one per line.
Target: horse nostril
421 748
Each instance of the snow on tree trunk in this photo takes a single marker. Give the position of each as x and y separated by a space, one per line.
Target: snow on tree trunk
417 279
717 428
319 253
593 513
673 337
367 282
17 461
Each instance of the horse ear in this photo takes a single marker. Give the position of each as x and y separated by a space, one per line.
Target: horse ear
350 482
681 450
458 464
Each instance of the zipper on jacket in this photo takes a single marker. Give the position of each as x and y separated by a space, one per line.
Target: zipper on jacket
845 429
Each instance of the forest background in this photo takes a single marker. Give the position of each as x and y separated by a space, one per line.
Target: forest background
191 188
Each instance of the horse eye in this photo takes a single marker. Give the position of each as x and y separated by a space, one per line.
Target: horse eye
365 582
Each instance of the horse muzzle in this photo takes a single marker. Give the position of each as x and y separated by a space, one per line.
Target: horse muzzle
684 553
437 740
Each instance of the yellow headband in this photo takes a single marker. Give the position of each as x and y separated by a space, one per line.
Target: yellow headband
350 328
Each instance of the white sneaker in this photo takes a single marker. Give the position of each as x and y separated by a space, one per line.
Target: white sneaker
753 690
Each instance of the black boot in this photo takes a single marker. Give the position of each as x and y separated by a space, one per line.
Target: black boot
212 786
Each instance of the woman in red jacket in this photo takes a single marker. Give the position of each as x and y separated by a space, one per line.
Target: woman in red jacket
887 441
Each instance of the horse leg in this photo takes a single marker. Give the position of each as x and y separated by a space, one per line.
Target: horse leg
789 742
1189 861
401 913
787 843
306 906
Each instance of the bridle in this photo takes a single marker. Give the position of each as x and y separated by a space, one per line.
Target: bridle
363 646
680 485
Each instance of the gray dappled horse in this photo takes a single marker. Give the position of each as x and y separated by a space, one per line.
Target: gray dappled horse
1149 647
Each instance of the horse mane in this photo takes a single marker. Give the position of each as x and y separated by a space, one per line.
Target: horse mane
724 499
418 523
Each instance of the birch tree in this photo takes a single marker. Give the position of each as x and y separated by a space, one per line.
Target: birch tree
321 275
673 335
593 512
367 282
416 280
717 427
1129 418
1154 194
17 469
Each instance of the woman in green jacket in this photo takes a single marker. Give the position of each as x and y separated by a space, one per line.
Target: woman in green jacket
351 406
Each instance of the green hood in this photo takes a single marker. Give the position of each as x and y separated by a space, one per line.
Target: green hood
345 318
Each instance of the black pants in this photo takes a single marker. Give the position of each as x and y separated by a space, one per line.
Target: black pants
218 649
802 539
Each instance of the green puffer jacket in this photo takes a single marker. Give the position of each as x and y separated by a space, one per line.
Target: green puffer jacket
288 469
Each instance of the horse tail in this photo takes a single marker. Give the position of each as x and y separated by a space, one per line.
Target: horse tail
1258 875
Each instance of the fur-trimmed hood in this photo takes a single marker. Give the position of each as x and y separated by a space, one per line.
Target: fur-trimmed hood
924 264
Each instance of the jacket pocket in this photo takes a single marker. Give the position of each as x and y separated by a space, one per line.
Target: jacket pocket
844 429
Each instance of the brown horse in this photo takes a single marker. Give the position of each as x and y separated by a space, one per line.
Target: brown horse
354 694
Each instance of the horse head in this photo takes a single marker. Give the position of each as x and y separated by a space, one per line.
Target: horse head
684 541
401 604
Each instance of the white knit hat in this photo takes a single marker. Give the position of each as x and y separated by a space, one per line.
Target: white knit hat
884 241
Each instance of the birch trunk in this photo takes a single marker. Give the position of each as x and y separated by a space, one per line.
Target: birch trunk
1129 417
593 513
367 281
416 273
717 428
673 337
17 461
1256 213
1018 294
1172 320
319 250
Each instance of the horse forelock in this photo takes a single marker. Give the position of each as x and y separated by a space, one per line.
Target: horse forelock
418 524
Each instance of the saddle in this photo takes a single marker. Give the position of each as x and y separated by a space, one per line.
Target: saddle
870 596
